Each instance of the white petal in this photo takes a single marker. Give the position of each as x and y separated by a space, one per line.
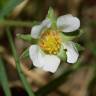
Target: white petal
46 23
34 54
72 53
46 62
51 63
37 29
68 23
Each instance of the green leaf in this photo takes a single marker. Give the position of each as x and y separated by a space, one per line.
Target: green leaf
25 54
3 79
8 7
79 47
27 38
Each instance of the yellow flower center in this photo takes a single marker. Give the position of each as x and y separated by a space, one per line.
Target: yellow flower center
50 41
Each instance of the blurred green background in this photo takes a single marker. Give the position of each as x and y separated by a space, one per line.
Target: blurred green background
18 16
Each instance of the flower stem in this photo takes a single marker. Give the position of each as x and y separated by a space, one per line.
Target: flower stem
22 77
17 23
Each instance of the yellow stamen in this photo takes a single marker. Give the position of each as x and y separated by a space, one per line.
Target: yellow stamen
50 41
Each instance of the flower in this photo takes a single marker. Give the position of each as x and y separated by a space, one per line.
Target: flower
45 54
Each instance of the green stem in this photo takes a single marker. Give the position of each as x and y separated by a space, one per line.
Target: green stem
17 23
3 79
22 76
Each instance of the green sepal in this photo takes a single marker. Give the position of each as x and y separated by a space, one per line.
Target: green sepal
71 35
25 54
67 37
51 15
79 47
62 54
27 38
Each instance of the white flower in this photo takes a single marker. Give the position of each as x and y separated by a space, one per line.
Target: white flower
44 54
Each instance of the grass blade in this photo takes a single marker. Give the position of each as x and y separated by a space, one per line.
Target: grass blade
3 79
8 7
21 75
